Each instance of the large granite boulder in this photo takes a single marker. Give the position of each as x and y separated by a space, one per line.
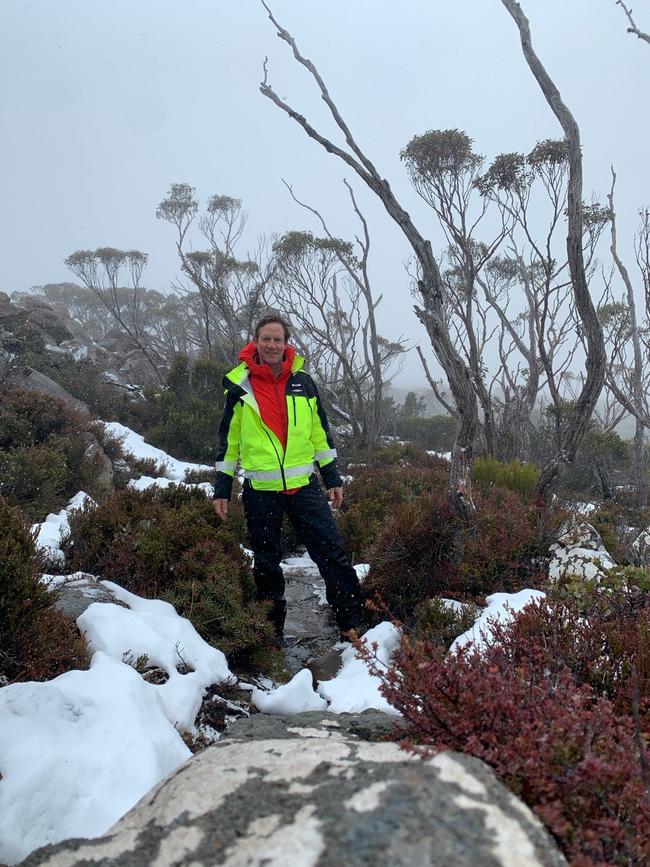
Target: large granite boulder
309 792
34 380
34 315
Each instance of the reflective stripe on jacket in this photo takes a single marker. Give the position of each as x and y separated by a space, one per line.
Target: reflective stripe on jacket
246 440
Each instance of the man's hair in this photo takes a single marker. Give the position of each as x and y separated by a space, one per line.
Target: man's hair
273 317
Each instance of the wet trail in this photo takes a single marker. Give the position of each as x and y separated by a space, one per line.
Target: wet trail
310 630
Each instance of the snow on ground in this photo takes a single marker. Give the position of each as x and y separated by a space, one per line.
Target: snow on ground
362 570
501 607
55 526
79 751
444 455
296 696
134 443
149 481
152 627
584 509
354 689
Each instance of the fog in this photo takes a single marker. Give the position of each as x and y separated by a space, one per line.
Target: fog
105 104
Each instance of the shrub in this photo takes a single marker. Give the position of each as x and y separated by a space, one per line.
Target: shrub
35 478
145 466
599 631
437 432
110 443
557 745
169 544
43 460
216 591
397 475
189 410
37 642
30 418
426 550
514 475
439 624
619 521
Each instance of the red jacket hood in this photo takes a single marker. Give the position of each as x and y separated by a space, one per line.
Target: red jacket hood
250 357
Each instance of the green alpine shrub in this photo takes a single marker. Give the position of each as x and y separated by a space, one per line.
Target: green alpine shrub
169 544
37 642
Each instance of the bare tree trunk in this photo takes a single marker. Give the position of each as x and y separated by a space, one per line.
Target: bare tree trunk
640 475
637 373
596 357
431 313
605 482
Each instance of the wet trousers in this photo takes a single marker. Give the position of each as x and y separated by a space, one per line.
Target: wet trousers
310 514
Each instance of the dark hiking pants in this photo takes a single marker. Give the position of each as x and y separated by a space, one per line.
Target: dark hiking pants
310 514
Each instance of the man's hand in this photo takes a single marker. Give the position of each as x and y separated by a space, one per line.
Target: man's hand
336 497
221 508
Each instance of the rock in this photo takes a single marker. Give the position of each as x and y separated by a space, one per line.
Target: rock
44 318
34 381
640 550
581 535
122 472
98 462
371 725
34 315
79 591
319 797
579 553
325 667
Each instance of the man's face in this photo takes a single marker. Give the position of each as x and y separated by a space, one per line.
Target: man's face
270 343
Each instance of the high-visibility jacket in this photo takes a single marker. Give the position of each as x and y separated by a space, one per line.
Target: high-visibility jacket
246 440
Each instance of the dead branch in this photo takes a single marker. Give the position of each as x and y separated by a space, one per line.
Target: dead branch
633 28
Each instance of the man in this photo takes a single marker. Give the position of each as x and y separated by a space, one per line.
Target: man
274 425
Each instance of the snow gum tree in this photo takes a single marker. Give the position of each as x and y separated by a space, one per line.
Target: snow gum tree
114 277
444 168
324 285
224 290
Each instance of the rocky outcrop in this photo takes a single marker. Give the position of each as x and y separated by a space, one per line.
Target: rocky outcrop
99 464
579 553
308 791
33 380
38 317
640 550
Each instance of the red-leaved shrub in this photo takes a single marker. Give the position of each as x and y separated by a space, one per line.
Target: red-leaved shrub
602 637
531 713
425 549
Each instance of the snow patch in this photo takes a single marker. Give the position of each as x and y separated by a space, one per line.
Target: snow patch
50 533
133 442
501 608
296 696
354 689
78 752
152 627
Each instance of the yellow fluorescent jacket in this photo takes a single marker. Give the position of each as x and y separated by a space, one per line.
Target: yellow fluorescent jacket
244 438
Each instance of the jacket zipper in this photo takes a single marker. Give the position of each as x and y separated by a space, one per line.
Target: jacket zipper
280 462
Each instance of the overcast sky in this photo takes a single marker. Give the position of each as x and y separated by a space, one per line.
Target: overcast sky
105 104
